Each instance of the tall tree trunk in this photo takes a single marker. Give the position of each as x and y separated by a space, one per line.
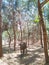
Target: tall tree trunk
21 31
28 33
44 31
14 30
0 30
20 24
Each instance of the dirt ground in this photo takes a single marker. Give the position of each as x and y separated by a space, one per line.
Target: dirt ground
34 56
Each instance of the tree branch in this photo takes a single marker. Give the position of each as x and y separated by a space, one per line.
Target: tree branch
44 2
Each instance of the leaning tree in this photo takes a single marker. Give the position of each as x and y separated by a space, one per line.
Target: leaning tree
40 5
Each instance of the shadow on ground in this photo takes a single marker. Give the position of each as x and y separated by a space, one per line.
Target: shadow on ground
6 49
28 59
46 64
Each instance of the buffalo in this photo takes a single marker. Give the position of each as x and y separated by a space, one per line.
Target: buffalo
23 47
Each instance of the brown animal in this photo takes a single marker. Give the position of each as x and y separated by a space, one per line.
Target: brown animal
23 47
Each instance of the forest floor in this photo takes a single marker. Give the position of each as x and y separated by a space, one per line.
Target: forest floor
34 56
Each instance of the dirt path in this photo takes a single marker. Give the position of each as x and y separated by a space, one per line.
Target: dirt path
34 56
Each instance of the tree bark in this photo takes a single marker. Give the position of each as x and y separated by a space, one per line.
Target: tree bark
20 24
1 53
28 33
14 30
44 31
41 36
21 30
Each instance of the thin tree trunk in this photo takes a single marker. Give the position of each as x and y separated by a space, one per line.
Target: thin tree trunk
41 36
21 31
28 33
14 31
44 31
9 38
14 40
20 24
1 53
